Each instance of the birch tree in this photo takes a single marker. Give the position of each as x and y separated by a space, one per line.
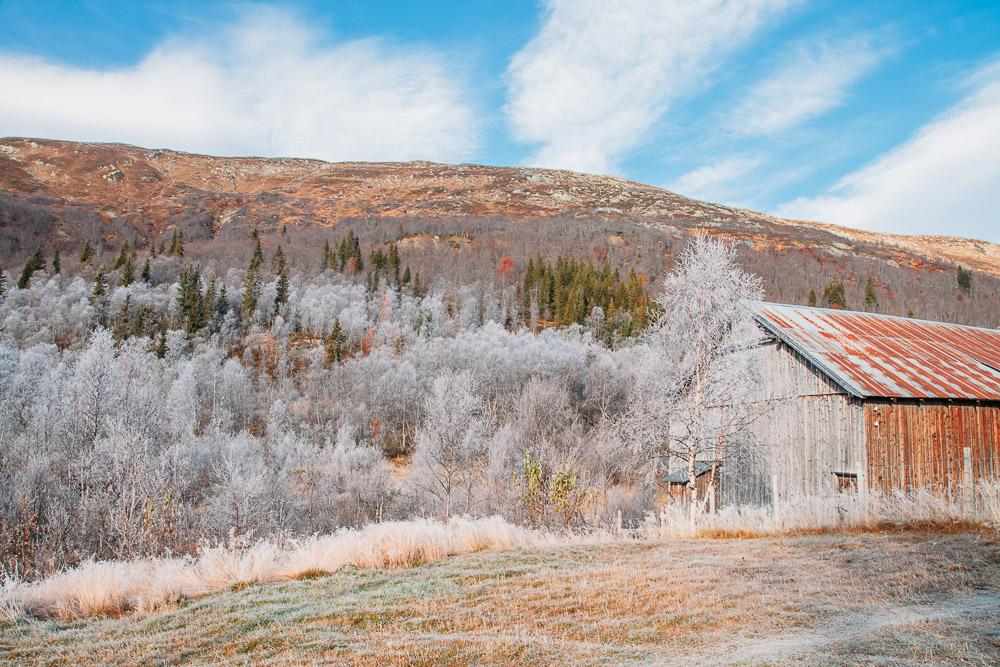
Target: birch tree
695 389
450 440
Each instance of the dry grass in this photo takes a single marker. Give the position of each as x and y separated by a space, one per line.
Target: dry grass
830 599
110 588
844 512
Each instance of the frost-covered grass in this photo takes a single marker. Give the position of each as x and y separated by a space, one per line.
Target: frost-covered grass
893 597
849 512
109 588
114 587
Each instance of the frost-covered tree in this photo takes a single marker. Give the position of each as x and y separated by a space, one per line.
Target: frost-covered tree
450 443
696 384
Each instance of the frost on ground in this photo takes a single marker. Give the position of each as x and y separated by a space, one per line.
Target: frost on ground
894 597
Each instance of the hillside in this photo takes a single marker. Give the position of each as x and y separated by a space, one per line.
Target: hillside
895 598
62 193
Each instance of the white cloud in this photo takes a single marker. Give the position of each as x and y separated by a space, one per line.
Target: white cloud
813 79
597 76
713 182
946 177
267 85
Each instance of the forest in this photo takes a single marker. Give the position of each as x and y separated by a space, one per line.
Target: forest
153 402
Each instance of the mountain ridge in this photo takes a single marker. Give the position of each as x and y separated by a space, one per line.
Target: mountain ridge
121 180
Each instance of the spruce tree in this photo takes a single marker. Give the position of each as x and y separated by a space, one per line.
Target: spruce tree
222 302
871 298
326 256
35 263
406 276
122 328
251 285
812 298
964 279
3 282
281 290
208 302
86 252
122 257
160 350
189 299
147 274
834 295
128 270
334 345
56 262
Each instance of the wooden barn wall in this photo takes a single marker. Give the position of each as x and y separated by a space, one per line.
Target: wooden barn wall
920 444
810 429
803 442
787 374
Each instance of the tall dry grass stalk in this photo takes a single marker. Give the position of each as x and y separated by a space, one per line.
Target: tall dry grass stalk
98 588
820 513
113 587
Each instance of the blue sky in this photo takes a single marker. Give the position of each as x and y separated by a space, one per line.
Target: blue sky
881 116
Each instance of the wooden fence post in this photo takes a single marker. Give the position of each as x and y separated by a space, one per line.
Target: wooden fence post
967 500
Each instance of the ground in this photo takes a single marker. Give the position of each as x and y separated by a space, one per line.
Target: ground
896 598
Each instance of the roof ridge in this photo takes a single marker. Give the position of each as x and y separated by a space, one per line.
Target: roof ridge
844 311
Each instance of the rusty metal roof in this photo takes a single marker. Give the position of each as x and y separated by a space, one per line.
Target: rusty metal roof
883 356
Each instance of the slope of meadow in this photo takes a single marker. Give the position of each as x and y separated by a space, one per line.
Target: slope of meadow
901 598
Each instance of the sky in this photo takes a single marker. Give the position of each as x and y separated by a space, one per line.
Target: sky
881 116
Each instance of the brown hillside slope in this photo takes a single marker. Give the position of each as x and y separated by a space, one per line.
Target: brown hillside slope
122 181
453 222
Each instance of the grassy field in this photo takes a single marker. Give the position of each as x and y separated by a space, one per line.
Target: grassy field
914 597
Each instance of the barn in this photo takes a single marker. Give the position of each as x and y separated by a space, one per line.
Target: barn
868 402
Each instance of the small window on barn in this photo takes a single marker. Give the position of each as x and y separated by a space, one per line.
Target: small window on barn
847 482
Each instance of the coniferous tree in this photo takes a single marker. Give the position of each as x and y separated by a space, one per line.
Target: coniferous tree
86 252
326 256
334 345
871 298
35 263
160 349
3 282
406 276
812 298
122 257
189 299
964 279
393 261
122 328
147 274
208 302
278 260
56 262
251 283
281 290
222 302
128 270
99 295
834 295
176 244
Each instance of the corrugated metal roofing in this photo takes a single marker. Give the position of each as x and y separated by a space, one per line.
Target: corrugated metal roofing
873 355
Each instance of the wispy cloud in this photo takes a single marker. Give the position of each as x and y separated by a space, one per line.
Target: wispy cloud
713 182
268 85
813 78
588 87
945 178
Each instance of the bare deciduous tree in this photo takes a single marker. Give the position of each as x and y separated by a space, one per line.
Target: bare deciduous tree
694 395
